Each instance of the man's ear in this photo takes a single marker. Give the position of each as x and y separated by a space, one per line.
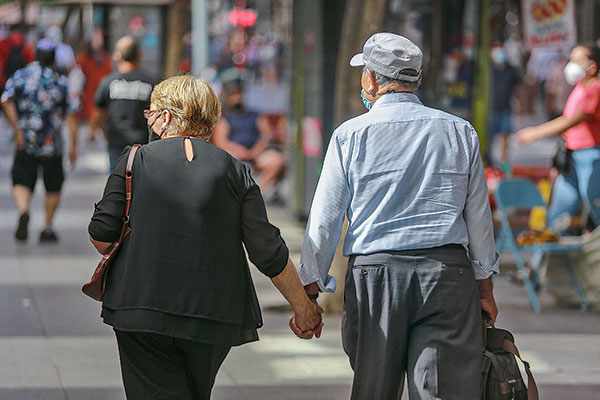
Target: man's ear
372 87
116 56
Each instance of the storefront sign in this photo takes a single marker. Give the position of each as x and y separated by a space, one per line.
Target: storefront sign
549 23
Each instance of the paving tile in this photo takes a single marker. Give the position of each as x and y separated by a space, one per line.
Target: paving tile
27 362
95 394
563 392
18 315
86 362
32 394
65 310
299 392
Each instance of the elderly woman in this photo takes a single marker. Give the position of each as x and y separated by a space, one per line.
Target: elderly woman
179 293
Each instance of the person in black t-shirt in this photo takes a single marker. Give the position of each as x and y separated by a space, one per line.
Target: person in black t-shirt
124 95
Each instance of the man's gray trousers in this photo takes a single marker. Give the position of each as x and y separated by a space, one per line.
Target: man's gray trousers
414 312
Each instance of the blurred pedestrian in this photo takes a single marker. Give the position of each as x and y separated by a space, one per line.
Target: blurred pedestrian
36 102
537 69
248 136
504 80
14 55
64 59
123 95
420 235
579 126
180 293
95 64
64 62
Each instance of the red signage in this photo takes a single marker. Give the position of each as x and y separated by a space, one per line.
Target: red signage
245 18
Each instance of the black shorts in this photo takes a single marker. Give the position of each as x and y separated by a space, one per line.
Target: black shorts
26 166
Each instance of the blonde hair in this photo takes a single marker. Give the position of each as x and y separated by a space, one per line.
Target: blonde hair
195 108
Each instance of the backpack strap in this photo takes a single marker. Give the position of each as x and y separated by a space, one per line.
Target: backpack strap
532 390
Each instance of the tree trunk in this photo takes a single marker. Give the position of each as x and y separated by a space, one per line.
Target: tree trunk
23 22
368 17
178 21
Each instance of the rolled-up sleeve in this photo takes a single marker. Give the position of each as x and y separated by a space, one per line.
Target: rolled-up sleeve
107 220
330 203
478 218
264 244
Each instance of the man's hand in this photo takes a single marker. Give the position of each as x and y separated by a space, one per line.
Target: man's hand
73 155
312 289
20 139
486 296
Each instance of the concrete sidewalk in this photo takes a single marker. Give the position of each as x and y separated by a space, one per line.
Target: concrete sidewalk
54 345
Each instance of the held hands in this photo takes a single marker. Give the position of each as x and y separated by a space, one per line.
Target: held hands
308 322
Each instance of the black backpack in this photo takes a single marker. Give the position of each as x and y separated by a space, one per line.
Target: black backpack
14 60
500 376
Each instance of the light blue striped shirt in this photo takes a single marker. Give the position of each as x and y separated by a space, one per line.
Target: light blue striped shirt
408 177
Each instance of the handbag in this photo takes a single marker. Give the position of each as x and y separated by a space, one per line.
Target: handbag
500 376
562 159
95 287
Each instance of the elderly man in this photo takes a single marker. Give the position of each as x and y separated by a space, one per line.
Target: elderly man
420 240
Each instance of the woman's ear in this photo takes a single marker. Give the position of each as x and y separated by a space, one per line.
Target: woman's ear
166 115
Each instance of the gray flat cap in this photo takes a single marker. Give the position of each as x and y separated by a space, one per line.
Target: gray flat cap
389 54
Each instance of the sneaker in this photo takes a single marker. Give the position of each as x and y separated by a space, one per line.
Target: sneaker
48 236
21 233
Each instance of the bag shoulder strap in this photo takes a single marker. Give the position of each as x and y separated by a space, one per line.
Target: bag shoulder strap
532 390
128 194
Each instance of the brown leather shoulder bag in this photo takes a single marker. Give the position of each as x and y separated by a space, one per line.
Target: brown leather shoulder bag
95 287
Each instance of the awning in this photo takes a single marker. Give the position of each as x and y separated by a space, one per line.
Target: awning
119 2
10 13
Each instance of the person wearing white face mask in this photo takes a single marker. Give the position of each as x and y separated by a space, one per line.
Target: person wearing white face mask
579 125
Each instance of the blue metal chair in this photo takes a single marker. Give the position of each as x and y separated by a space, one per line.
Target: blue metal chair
519 194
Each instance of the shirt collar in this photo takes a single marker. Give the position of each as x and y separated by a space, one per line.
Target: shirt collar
393 98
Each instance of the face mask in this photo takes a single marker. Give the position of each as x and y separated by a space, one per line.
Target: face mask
574 73
366 102
152 136
498 56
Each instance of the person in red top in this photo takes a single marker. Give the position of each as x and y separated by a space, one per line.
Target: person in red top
579 125
9 63
95 64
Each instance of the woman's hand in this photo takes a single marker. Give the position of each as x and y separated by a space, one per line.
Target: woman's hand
528 135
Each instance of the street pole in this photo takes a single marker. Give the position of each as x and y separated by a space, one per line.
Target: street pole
199 36
482 76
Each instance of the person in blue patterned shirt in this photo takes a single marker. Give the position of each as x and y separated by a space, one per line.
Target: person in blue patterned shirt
36 102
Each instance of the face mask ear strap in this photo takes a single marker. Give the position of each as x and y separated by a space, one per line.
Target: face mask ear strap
162 131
